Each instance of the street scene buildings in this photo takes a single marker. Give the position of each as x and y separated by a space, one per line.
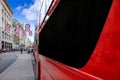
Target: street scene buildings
16 41
9 40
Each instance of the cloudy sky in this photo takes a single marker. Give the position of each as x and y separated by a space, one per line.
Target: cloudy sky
26 11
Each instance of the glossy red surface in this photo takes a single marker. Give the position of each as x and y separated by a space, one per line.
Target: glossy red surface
105 61
53 70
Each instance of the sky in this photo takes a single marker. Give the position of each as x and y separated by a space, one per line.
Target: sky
26 11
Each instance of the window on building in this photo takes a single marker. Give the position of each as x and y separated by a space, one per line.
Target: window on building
2 11
9 37
2 19
5 22
5 35
2 34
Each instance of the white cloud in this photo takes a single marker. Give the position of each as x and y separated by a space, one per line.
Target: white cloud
31 13
20 7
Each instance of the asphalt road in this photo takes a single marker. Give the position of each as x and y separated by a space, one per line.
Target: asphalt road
6 60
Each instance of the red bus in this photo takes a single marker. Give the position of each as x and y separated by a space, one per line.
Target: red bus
79 40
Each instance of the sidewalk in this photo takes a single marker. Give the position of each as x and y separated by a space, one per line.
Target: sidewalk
0 55
21 69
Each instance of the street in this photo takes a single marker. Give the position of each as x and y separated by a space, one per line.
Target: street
20 69
6 59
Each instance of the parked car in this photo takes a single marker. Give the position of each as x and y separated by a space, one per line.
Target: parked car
4 50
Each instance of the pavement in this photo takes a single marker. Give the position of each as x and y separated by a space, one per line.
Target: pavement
6 59
20 69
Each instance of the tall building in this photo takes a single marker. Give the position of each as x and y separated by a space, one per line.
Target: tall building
16 40
6 38
22 36
19 40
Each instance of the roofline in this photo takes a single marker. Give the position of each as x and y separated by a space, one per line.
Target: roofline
8 6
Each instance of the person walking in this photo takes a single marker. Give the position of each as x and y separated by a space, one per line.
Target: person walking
21 50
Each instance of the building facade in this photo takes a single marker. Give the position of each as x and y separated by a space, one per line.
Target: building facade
16 40
6 38
20 39
22 36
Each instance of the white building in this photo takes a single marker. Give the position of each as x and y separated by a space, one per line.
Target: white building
19 40
16 40
27 42
21 36
6 39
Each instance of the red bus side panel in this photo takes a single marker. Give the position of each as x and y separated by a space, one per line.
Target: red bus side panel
105 61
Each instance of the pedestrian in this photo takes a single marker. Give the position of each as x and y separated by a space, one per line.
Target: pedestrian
32 50
28 50
21 50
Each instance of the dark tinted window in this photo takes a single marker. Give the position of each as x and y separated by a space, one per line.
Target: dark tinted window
71 33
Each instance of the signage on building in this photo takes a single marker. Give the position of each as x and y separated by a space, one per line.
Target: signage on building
24 32
27 27
17 30
30 33
7 28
